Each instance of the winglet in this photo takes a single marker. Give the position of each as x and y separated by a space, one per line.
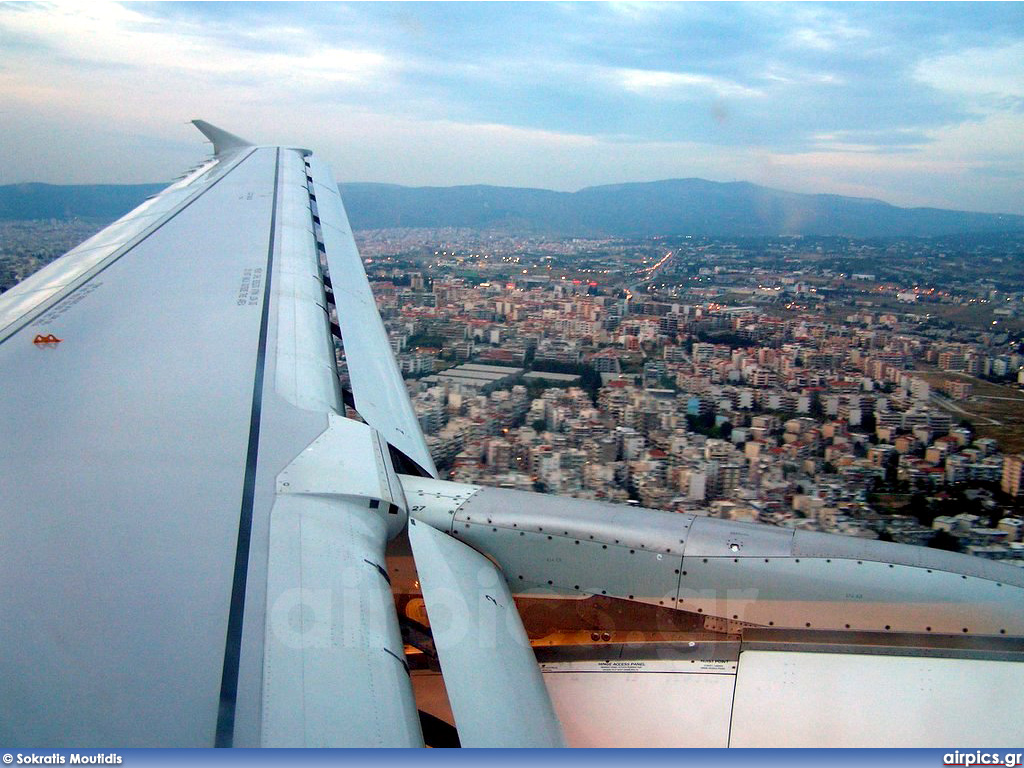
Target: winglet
223 141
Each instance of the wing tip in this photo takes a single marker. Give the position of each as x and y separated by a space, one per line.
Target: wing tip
223 142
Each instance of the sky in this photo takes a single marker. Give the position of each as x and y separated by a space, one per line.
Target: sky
917 104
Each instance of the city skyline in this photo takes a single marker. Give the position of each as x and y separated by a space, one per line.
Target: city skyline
914 104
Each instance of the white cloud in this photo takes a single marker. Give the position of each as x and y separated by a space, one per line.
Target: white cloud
820 29
105 68
662 83
789 76
109 34
977 72
812 38
992 138
636 11
880 142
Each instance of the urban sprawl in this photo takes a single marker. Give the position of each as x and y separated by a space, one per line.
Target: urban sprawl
865 388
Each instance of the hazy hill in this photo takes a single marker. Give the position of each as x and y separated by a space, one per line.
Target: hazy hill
676 206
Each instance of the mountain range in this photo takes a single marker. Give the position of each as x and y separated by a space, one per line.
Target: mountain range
643 209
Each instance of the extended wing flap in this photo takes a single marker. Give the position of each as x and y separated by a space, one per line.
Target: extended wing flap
494 684
334 665
334 671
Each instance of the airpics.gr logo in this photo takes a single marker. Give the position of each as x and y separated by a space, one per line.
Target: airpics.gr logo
982 758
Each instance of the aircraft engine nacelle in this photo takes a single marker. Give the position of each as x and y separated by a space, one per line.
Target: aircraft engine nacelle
738 573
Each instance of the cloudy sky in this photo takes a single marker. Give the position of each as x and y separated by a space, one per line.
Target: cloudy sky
913 103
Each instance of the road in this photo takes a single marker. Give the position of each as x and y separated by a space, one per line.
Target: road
949 405
649 275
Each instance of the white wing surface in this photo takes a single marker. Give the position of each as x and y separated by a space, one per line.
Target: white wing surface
156 381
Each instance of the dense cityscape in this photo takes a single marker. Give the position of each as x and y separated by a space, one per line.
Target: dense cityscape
865 388
870 388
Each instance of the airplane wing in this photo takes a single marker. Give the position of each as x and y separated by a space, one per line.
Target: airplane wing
157 380
193 529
